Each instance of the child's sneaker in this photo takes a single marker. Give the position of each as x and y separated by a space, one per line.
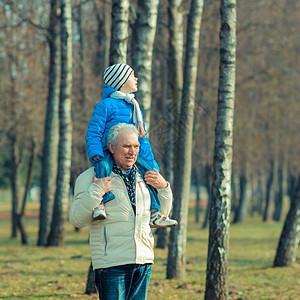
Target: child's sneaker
99 213
162 221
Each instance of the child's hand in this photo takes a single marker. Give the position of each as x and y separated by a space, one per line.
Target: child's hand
155 179
104 183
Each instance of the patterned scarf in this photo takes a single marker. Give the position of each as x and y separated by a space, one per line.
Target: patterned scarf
129 181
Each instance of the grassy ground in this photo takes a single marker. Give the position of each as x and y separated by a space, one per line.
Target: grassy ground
31 272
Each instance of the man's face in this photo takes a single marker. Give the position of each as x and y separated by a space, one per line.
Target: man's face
127 149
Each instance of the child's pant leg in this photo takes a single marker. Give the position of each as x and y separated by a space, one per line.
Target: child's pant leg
143 167
103 168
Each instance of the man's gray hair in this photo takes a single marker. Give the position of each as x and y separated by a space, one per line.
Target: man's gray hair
113 134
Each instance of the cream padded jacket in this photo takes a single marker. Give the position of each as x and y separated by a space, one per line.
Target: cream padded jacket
122 238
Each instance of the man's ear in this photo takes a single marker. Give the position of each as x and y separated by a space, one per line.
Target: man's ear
111 148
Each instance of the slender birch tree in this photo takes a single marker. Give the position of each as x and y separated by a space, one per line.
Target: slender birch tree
175 53
106 33
119 31
175 74
15 165
56 235
183 155
144 30
50 145
290 235
218 246
20 215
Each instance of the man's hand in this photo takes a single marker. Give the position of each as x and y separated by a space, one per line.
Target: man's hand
155 179
104 183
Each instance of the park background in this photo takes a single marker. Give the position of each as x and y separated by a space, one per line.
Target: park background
266 139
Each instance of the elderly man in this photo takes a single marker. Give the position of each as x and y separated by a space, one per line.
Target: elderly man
122 244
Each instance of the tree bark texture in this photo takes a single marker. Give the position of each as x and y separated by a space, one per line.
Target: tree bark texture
106 34
291 185
119 31
290 235
175 76
197 182
252 198
259 193
162 238
268 197
218 246
241 210
175 66
81 64
182 176
103 17
20 225
278 199
50 145
144 31
56 235
15 182
207 183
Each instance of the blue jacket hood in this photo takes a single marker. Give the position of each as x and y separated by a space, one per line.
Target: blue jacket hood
107 90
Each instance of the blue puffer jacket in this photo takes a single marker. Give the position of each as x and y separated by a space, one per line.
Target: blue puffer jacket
108 113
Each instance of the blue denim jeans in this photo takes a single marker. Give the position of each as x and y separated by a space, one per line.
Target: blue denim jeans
127 282
103 168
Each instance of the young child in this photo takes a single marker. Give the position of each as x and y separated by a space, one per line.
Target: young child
118 105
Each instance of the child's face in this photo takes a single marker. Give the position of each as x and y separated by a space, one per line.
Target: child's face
130 86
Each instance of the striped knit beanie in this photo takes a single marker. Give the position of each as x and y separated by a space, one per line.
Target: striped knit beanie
116 75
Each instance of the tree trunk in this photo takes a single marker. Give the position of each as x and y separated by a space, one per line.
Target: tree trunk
21 229
143 33
162 238
20 226
168 137
218 245
175 76
291 186
167 157
56 235
119 32
208 189
243 201
278 199
290 235
268 193
182 180
102 36
259 193
15 183
49 155
90 283
175 53
81 63
106 35
197 204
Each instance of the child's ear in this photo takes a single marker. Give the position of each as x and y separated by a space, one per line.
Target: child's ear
111 148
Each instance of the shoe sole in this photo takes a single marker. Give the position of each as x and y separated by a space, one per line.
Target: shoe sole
166 226
101 217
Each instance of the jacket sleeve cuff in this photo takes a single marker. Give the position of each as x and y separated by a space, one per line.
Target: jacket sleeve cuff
94 195
83 205
167 189
165 197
